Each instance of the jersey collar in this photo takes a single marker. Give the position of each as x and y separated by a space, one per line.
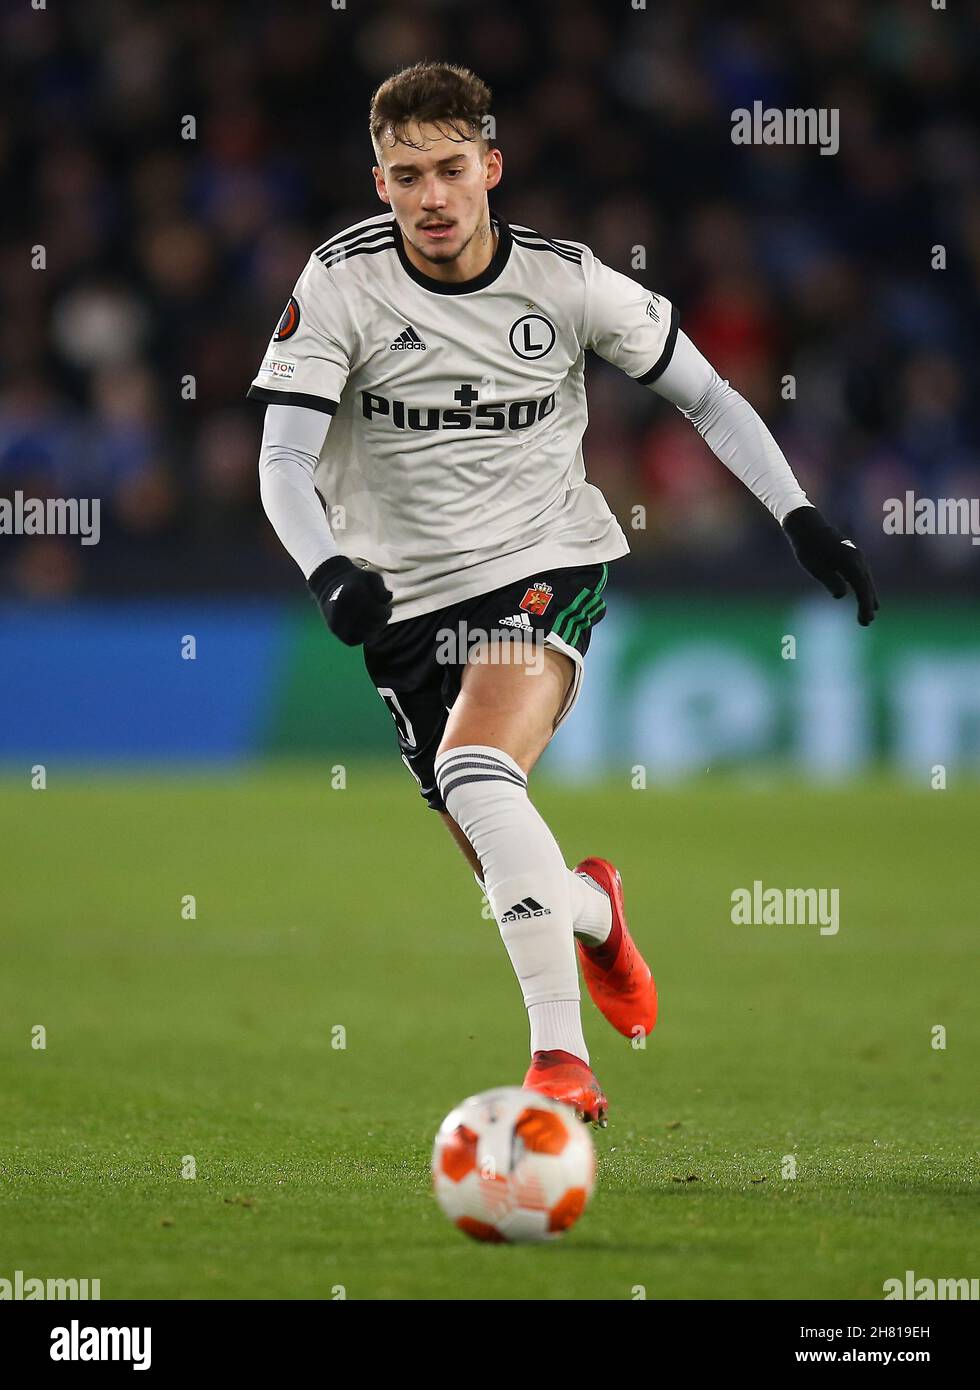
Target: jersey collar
479 282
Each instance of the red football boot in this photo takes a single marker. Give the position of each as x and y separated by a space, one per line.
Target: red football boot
618 977
567 1078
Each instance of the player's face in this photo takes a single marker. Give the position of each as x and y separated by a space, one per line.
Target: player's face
437 188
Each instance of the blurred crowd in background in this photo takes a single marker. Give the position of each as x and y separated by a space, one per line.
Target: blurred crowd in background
168 258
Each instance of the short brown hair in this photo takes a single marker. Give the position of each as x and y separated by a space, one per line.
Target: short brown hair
443 93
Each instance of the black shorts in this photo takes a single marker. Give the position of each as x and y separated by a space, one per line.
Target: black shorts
417 665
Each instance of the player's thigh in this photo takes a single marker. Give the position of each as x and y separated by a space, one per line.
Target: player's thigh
511 706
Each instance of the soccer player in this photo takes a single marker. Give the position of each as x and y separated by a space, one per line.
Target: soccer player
422 463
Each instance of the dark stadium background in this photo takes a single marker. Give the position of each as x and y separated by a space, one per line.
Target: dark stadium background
168 257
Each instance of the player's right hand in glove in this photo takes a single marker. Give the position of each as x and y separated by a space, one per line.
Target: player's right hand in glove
832 559
355 603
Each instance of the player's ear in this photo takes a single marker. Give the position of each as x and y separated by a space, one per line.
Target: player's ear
494 168
379 183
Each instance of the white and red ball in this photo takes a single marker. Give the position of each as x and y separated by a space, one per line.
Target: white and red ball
513 1165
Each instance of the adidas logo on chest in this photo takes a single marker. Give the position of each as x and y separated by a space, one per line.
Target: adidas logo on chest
407 341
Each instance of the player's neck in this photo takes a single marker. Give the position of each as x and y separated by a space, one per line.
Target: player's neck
471 262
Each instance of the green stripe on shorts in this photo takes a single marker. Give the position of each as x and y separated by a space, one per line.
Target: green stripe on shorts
589 615
567 615
583 609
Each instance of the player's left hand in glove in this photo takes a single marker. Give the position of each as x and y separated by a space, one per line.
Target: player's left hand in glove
355 603
826 554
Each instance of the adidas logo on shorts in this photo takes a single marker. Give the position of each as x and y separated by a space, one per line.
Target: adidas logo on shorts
408 340
527 908
517 620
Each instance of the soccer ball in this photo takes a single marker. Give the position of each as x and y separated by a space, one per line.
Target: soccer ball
513 1165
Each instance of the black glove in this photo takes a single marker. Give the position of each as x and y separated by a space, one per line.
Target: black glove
354 602
831 558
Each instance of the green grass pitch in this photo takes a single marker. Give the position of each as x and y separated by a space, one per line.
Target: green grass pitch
214 1038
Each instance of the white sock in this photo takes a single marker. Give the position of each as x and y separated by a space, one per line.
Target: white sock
525 876
591 908
557 1027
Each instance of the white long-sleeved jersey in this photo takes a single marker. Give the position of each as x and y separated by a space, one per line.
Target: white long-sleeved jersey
453 459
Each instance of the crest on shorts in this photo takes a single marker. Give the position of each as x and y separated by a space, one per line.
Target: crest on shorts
537 598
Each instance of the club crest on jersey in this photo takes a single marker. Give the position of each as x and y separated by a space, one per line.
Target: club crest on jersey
289 322
532 336
536 599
